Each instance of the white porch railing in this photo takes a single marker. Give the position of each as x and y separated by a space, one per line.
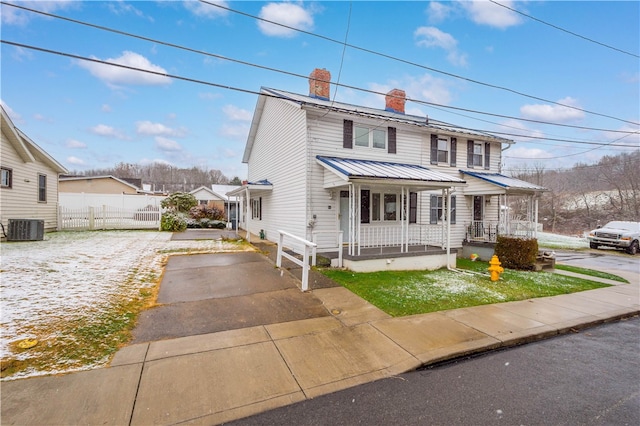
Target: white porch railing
108 217
392 236
482 230
324 249
308 249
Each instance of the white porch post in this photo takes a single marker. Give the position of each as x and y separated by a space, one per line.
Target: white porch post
535 219
357 220
351 222
249 213
448 192
404 219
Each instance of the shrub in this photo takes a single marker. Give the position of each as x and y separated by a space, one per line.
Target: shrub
179 201
206 212
517 253
172 222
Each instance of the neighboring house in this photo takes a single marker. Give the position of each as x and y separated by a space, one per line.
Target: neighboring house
216 196
97 185
29 184
388 180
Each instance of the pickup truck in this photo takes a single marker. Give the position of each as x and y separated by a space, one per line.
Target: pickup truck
624 235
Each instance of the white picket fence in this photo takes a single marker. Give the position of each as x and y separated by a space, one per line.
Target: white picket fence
108 217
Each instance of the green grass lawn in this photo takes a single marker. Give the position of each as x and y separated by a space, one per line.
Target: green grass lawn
401 293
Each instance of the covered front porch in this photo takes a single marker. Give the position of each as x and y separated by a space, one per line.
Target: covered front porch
380 219
501 193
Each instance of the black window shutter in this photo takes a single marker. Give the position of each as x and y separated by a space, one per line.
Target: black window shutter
453 209
434 149
433 211
347 134
391 147
487 155
260 208
470 154
454 151
364 206
413 207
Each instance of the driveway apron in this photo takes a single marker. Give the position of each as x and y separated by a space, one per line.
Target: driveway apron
208 293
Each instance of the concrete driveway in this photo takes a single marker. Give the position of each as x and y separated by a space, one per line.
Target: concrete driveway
208 293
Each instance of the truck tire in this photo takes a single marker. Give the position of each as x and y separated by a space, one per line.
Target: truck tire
593 245
633 248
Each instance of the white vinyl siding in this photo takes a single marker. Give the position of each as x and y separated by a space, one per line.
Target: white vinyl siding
279 156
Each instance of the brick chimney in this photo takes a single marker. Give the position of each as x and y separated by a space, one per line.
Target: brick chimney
319 84
395 100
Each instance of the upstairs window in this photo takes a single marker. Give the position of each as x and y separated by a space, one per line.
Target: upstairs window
7 178
478 154
443 150
42 188
369 138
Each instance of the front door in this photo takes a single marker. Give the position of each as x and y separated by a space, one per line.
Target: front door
477 227
344 215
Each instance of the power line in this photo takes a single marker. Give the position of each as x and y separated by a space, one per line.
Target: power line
248 91
337 84
384 55
565 30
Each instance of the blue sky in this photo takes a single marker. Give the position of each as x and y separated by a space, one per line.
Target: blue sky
89 115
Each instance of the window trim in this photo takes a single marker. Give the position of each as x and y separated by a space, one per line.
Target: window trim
256 208
437 207
370 199
9 174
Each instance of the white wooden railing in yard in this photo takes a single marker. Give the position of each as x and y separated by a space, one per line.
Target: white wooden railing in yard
108 217
483 230
327 249
308 249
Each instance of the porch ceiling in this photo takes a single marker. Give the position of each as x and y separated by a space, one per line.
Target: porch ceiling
384 173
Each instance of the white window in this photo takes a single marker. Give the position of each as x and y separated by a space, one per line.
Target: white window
476 159
7 178
443 150
42 188
376 206
256 208
369 137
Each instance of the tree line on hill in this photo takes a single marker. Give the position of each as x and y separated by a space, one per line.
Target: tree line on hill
585 196
164 177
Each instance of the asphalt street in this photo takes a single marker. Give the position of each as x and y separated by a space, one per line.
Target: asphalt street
609 260
591 377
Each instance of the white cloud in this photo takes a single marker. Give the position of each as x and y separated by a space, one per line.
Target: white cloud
13 16
105 108
75 161
428 88
554 113
113 75
433 37
483 12
165 144
438 12
75 144
237 114
156 129
107 131
206 10
292 15
237 132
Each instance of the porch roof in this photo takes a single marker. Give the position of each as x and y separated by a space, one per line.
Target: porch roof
509 184
259 186
381 172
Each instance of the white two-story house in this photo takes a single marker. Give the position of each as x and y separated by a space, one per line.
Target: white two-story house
404 191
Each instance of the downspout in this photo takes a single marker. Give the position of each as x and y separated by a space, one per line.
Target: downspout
249 213
448 192
500 163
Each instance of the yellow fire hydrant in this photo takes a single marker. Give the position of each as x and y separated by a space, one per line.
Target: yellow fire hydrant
495 268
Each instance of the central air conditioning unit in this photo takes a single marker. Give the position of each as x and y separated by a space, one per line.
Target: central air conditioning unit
25 230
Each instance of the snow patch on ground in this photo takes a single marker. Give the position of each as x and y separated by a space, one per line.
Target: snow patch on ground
71 273
547 240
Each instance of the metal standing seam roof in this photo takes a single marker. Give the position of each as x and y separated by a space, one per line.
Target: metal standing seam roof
381 113
505 181
385 170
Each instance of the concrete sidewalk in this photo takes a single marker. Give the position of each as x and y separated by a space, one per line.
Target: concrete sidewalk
218 377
